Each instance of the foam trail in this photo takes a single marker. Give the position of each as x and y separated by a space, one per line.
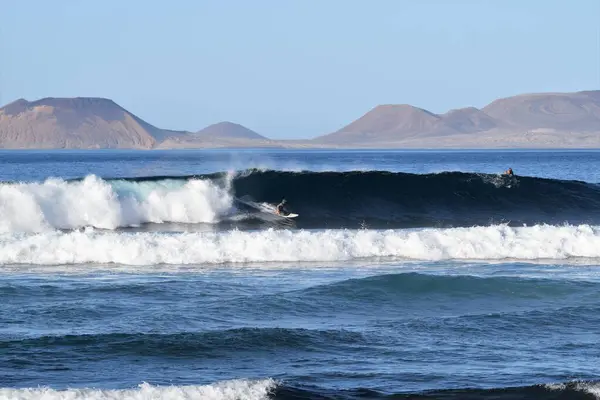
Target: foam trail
57 204
477 243
227 390
586 387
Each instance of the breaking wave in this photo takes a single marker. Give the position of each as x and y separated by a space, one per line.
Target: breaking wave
370 199
379 199
147 248
270 389
227 390
59 204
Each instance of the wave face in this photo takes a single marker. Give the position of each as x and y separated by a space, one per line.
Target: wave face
333 200
384 199
563 391
148 248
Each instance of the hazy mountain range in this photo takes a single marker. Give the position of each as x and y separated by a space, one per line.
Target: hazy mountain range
544 120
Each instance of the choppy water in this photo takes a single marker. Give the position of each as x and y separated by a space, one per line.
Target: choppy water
158 275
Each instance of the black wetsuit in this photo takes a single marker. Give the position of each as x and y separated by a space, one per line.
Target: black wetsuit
280 209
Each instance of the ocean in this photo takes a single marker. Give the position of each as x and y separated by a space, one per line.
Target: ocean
406 275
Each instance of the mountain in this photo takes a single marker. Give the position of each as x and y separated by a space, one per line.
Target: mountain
80 122
466 120
228 130
535 120
222 134
557 111
384 122
538 120
95 123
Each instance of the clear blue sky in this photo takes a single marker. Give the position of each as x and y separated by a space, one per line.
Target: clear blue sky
294 68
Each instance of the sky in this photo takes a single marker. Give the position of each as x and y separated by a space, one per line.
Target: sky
294 68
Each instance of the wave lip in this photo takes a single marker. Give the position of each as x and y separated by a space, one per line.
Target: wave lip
497 242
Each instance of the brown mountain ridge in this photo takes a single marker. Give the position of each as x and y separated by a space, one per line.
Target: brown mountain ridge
222 134
529 120
75 123
550 114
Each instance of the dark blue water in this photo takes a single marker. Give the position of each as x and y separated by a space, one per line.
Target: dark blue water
405 274
39 164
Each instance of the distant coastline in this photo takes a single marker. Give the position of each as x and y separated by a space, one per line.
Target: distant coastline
529 121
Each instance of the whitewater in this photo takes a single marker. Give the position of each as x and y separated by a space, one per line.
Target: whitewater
478 243
245 390
58 204
146 275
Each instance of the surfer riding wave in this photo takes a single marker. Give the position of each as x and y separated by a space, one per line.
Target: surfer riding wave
280 209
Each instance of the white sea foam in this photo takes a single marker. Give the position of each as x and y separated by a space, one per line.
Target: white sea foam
147 248
228 390
587 387
57 204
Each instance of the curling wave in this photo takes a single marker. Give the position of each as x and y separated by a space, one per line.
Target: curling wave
371 199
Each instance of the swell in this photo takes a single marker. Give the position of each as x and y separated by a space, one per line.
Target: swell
215 343
372 199
415 284
433 302
396 199
419 301
379 199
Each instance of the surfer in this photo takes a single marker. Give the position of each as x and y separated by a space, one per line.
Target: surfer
280 210
509 172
